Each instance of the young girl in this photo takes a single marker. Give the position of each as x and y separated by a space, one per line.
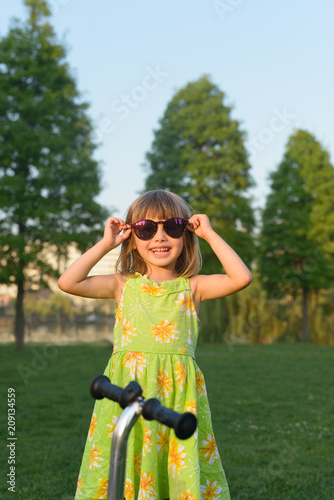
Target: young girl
158 292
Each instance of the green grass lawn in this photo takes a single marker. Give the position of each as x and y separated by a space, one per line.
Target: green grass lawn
272 410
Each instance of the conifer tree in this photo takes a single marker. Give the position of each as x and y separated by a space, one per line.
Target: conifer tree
48 177
198 152
297 229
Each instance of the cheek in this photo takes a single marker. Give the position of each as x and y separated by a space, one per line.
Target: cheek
180 245
139 245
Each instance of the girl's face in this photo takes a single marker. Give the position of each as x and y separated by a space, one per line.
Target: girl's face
161 250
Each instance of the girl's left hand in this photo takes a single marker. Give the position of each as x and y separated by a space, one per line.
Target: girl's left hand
200 224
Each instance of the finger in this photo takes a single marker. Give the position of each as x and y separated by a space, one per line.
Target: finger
116 220
195 222
126 234
118 224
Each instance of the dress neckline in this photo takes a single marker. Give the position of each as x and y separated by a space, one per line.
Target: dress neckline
155 283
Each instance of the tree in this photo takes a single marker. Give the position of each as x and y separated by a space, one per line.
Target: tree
48 176
292 259
198 152
318 176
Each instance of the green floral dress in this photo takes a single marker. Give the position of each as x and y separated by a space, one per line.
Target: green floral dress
155 338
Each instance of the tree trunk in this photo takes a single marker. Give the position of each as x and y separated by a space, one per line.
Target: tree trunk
305 318
19 318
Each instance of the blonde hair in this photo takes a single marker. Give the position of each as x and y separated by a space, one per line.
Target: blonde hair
159 204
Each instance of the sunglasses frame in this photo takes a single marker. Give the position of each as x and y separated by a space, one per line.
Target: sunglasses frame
185 222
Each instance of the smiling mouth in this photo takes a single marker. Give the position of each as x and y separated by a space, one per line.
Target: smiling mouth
160 251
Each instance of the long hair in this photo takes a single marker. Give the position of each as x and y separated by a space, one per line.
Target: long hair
159 204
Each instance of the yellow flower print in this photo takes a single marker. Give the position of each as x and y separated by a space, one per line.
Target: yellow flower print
209 450
185 303
200 384
147 441
129 490
128 331
152 290
136 362
191 406
176 457
186 495
80 485
165 331
94 458
112 426
162 440
137 463
92 427
211 490
147 488
181 373
164 384
103 488
183 350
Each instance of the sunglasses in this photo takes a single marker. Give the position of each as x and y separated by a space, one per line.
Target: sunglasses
145 229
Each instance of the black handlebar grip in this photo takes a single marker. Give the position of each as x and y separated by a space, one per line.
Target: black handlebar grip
183 424
101 387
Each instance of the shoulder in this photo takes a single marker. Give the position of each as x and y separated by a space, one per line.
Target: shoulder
108 286
119 283
193 281
194 286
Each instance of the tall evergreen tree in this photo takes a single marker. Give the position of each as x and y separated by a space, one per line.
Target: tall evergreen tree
294 258
48 177
198 152
318 175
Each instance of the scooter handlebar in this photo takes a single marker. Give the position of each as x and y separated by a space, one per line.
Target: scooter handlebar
101 387
184 424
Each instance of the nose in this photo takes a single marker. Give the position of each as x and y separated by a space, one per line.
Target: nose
160 234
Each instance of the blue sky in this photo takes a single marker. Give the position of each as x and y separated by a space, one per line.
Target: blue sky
273 60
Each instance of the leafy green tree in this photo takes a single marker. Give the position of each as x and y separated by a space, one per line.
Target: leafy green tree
294 259
198 152
318 177
48 177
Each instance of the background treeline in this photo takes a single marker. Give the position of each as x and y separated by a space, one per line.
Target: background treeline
49 182
199 152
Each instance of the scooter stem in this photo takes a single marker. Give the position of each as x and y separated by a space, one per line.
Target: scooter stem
120 436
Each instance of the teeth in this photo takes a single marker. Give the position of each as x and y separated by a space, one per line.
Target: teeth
160 250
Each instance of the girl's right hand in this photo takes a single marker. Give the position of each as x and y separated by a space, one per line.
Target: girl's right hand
112 232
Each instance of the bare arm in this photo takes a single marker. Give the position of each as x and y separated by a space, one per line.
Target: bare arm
75 279
237 274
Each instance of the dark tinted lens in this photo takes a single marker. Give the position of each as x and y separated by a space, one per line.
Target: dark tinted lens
145 229
175 227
